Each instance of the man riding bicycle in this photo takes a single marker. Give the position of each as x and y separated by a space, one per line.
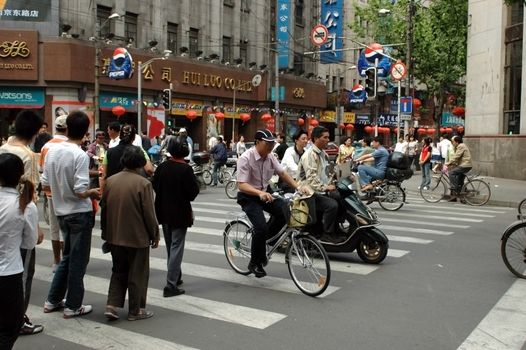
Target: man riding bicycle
459 165
255 167
369 173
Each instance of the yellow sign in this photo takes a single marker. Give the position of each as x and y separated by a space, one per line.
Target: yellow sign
328 116
229 111
180 107
215 81
14 48
349 117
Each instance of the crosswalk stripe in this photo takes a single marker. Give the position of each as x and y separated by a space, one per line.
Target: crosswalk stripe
406 239
214 273
437 217
463 208
232 204
423 222
438 211
97 335
185 303
279 258
415 230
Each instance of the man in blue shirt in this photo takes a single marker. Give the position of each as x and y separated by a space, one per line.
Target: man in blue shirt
369 173
219 153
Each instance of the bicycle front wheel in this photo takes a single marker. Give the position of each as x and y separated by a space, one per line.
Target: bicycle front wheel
476 192
207 177
522 209
513 249
231 189
308 265
226 175
435 192
391 197
237 241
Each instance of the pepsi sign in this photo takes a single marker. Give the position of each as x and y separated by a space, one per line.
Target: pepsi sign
367 59
357 94
121 65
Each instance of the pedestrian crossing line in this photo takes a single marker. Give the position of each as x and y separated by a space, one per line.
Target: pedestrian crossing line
277 284
463 207
435 211
423 222
233 204
415 230
437 217
97 335
187 304
279 258
406 239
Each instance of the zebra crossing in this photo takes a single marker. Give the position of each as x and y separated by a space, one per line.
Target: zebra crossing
406 230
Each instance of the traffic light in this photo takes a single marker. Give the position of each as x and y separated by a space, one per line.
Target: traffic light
167 99
371 82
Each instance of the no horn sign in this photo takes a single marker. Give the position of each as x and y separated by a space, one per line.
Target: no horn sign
319 35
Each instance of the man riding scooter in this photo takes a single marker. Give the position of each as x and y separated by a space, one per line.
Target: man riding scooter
369 173
314 171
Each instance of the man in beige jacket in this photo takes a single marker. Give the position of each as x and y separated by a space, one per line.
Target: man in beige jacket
459 165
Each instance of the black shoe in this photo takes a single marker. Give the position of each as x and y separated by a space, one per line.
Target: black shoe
257 270
179 283
452 199
169 292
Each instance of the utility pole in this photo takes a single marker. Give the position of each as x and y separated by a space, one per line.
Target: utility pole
408 63
338 132
276 95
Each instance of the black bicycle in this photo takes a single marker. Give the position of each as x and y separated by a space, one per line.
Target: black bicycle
513 244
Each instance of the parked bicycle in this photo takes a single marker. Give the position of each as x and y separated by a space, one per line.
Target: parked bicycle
307 260
513 244
475 191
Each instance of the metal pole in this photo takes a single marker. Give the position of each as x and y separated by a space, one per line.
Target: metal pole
276 87
377 103
339 134
234 115
398 111
139 97
96 106
409 43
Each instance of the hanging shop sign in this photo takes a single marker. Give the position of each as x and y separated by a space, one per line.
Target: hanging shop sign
18 55
15 97
449 119
121 65
24 10
329 116
388 119
357 94
108 100
283 32
180 107
368 58
230 113
332 19
362 119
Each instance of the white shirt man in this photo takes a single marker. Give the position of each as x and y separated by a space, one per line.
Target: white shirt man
444 145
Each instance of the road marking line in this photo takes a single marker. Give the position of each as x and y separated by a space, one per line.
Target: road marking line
406 239
464 207
216 310
215 273
416 230
97 335
436 211
425 223
437 217
504 327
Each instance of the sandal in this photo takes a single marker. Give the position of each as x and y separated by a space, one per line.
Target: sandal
110 313
142 315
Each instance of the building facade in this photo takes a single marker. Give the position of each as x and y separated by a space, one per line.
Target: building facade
495 96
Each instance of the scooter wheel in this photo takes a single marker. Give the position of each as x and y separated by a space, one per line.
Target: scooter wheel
372 252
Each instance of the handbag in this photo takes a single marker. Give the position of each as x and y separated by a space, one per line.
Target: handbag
302 212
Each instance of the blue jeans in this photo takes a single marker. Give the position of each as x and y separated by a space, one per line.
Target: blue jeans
368 173
217 167
69 275
426 175
174 239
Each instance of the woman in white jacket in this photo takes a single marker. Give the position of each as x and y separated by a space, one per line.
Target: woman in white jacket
292 156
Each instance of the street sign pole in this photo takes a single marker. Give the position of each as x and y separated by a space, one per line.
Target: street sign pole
399 116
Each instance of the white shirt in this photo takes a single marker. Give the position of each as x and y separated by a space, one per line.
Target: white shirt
137 141
114 142
444 146
290 162
67 172
401 147
17 230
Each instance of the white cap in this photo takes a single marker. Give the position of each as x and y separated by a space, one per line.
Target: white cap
182 130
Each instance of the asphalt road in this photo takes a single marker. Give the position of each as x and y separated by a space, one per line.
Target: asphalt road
443 276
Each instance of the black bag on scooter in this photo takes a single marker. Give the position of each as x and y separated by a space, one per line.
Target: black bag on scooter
398 160
398 174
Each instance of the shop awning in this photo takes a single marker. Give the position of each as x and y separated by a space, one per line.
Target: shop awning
21 97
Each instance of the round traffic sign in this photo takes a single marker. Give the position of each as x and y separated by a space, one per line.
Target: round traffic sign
319 34
398 71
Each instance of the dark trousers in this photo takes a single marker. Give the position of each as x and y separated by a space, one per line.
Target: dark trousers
329 209
456 178
69 275
12 306
254 208
130 272
215 171
174 237
28 258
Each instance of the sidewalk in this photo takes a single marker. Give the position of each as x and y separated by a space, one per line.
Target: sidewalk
504 192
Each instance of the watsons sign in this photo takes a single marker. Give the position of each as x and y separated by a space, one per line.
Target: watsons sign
21 97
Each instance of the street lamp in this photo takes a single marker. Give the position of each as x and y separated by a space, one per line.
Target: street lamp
140 65
96 38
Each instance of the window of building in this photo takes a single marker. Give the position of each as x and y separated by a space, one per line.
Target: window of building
243 51
299 63
130 26
228 3
513 69
227 48
103 12
298 13
245 6
171 37
193 41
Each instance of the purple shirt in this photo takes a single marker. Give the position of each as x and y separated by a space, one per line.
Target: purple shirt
255 170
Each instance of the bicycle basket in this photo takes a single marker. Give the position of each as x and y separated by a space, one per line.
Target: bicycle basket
302 212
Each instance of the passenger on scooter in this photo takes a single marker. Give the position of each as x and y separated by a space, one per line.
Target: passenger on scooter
369 173
255 167
314 172
291 159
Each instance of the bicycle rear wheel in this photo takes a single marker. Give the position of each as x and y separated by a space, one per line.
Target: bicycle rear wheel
513 249
435 192
231 189
226 175
237 240
207 177
522 209
476 192
391 197
308 265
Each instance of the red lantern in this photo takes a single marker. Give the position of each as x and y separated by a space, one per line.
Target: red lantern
417 103
459 111
349 127
421 131
395 130
430 131
301 121
191 115
266 117
245 117
449 130
368 129
384 130
314 122
442 130
118 111
341 126
220 116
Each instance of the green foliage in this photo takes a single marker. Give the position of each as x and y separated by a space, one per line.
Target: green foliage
511 2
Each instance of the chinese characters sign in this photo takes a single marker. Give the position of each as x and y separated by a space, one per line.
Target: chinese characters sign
282 28
25 10
108 100
332 18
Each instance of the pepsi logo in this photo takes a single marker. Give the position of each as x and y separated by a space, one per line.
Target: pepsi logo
357 88
373 51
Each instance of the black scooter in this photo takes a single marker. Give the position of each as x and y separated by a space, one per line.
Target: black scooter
356 227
